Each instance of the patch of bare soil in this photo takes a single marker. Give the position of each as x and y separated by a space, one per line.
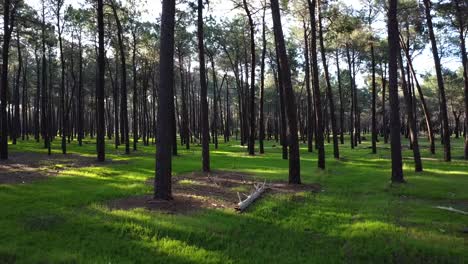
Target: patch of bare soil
215 190
21 168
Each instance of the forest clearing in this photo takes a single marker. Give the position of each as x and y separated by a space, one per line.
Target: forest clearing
240 131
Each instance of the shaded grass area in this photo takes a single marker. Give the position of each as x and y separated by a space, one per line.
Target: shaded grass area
358 217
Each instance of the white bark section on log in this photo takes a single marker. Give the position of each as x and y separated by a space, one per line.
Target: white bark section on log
451 209
242 205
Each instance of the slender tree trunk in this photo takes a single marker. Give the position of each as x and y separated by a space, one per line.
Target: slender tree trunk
427 115
294 160
397 163
262 85
203 92
100 141
252 80
351 112
374 99
80 93
411 118
135 94
316 86
331 103
440 83
310 128
338 73
123 97
461 34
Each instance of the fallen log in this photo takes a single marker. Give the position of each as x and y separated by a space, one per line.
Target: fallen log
243 204
451 209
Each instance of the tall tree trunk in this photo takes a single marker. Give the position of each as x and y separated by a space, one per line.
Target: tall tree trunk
338 73
411 117
135 95
262 85
80 93
4 82
384 112
374 99
100 125
294 160
440 83
331 104
461 34
316 85
252 80
427 115
351 112
205 138
163 188
123 88
393 52
310 127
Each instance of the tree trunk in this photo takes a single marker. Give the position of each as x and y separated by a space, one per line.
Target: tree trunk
123 90
163 188
427 115
135 96
374 99
331 104
203 92
338 73
316 86
100 141
440 83
4 81
393 52
465 67
262 85
294 160
411 117
310 130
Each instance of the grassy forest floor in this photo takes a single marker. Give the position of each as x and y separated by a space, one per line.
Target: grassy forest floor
358 216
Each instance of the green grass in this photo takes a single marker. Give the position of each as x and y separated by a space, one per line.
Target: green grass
358 217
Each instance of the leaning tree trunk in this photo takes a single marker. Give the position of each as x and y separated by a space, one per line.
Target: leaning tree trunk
411 117
294 160
427 115
440 83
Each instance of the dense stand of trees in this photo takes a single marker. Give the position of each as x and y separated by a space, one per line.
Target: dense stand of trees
68 73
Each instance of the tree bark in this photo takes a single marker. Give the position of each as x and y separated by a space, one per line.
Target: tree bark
203 92
440 82
331 103
294 160
100 141
316 85
397 163
163 188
